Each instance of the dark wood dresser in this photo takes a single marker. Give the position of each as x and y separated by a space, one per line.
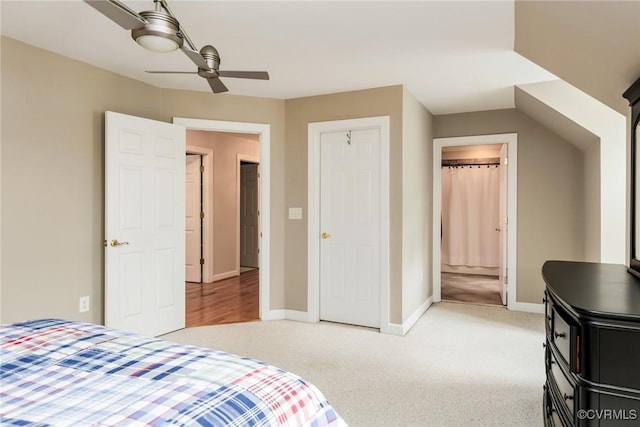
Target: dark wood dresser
592 348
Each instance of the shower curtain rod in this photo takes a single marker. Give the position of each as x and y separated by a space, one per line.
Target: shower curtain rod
472 162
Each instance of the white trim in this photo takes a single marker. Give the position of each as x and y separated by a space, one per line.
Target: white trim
401 330
392 329
527 307
264 132
511 139
278 314
284 314
207 204
295 315
313 248
226 275
252 159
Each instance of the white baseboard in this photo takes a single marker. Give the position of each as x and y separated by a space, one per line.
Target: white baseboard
401 330
226 275
284 314
298 316
527 307
389 328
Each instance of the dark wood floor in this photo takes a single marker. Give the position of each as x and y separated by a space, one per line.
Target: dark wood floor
226 301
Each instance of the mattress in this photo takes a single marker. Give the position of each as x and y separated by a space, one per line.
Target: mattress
67 373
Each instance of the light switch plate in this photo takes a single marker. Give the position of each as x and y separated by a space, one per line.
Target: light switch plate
295 213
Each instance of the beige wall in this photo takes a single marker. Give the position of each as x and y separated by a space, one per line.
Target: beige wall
593 45
417 213
550 191
226 148
300 112
52 175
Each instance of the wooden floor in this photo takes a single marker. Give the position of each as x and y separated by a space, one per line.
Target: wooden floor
226 301
470 288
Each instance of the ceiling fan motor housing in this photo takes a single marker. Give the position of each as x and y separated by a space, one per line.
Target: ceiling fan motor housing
159 24
211 55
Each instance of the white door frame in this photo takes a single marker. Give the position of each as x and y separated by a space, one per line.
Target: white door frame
239 159
511 139
207 208
313 206
264 133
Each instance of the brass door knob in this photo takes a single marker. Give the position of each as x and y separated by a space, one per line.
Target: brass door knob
325 235
115 243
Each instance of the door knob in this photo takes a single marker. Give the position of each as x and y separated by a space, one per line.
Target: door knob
115 243
325 235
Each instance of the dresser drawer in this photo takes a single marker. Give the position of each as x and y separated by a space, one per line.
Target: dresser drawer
553 417
563 386
561 336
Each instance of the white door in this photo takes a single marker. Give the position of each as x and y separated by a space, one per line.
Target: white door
503 226
249 200
350 227
193 221
144 224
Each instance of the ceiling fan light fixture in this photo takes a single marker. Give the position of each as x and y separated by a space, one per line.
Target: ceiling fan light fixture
161 33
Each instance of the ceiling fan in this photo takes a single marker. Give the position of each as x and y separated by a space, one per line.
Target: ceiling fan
159 31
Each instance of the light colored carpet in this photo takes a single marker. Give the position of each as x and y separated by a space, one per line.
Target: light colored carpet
460 365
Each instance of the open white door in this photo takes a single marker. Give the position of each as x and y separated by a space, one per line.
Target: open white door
504 222
144 224
193 220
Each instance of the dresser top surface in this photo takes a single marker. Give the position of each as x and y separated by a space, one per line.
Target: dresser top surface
594 288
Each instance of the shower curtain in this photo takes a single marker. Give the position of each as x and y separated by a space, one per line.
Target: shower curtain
470 216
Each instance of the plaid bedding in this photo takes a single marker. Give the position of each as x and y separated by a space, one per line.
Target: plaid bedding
65 373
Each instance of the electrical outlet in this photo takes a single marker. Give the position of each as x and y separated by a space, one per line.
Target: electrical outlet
84 304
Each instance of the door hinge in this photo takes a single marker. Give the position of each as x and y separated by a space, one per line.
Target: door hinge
201 169
201 261
506 161
506 220
201 214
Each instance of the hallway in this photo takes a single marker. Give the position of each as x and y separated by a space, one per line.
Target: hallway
226 301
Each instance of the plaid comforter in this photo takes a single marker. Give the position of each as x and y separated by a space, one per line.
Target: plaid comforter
64 373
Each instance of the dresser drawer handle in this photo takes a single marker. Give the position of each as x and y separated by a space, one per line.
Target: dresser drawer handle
567 397
559 334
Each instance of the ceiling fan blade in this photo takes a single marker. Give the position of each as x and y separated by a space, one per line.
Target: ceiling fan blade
196 57
258 75
118 13
216 85
171 72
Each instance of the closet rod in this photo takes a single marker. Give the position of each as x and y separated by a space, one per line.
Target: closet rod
472 162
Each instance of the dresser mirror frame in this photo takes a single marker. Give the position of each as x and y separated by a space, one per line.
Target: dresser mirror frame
633 96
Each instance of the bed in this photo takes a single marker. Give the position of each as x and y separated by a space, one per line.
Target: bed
66 373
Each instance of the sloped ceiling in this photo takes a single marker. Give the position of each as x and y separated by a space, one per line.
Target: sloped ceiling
593 45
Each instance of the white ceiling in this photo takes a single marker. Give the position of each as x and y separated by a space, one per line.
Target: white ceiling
453 56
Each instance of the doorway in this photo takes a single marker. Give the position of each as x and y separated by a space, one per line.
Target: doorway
489 278
471 204
225 275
